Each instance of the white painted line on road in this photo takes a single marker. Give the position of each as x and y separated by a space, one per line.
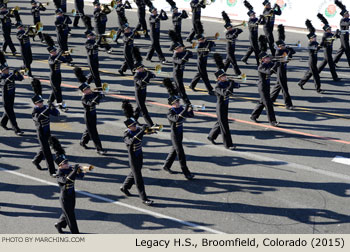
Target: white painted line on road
159 215
341 160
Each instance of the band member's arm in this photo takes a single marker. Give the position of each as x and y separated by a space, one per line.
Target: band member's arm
224 91
129 140
42 8
183 15
278 11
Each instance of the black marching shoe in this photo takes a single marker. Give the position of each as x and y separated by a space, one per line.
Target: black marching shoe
290 107
37 165
211 92
125 191
189 176
274 123
321 91
84 145
19 132
168 170
301 85
148 202
211 140
101 152
245 61
121 72
254 119
59 228
53 175
231 147
5 127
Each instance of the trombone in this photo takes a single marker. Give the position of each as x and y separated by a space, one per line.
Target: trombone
38 27
85 169
104 89
154 129
112 34
105 7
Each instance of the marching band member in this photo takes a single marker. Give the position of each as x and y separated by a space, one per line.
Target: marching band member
41 117
265 70
133 139
177 18
26 50
344 35
176 116
89 100
282 81
253 26
269 22
204 48
180 57
196 7
123 22
36 8
91 47
67 174
8 97
223 90
154 21
79 6
142 78
100 19
6 28
231 36
313 49
141 13
62 30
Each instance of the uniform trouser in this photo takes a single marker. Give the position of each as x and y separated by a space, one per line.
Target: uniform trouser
94 75
141 107
281 85
231 59
56 93
265 102
270 39
222 127
193 31
45 152
313 71
142 19
68 216
135 176
91 133
177 150
178 80
202 73
128 63
8 101
344 48
8 41
77 17
178 31
155 46
27 60
254 47
328 60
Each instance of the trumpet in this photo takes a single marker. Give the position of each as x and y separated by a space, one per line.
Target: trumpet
154 129
105 7
17 8
85 169
198 107
104 89
23 71
158 71
66 53
194 45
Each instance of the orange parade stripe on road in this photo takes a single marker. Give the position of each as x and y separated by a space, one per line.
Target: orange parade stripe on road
230 118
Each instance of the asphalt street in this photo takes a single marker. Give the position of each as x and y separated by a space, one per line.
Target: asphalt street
279 180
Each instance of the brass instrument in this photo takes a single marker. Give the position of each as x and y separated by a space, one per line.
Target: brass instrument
23 71
158 70
194 45
141 32
66 53
112 34
105 89
154 129
74 13
85 169
244 24
105 7
44 4
215 37
17 8
198 107
242 77
37 28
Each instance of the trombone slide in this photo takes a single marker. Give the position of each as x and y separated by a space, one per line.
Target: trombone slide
198 107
